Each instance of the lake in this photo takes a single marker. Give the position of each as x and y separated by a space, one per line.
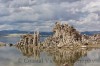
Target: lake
29 56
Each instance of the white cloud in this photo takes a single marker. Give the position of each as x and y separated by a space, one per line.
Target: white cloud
82 14
6 27
92 6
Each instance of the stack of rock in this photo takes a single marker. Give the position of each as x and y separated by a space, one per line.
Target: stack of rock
29 39
85 39
95 39
65 35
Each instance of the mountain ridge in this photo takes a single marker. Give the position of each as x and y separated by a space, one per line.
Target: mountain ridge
6 32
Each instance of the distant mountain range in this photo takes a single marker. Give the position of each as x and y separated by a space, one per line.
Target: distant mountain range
7 32
90 32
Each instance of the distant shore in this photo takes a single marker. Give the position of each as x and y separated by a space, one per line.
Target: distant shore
13 35
18 35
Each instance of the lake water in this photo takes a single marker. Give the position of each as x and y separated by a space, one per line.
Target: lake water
29 56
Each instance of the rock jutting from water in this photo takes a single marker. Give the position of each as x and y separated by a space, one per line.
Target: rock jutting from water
29 39
66 35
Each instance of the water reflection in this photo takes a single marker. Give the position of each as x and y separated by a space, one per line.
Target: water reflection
9 56
30 51
49 57
60 57
68 56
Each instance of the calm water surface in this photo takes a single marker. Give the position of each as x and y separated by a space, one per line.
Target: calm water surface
28 56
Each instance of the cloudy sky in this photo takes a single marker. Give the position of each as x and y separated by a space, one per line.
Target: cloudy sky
41 15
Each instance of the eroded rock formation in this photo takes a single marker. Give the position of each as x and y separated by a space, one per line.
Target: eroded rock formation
66 35
95 39
29 39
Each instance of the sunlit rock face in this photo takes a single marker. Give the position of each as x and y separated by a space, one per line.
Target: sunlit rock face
66 35
95 39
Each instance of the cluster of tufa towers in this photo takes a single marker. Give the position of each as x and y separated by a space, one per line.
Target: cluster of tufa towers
30 39
64 35
67 35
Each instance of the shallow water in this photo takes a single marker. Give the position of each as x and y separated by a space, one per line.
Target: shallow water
29 56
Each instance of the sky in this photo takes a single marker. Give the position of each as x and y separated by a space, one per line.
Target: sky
31 15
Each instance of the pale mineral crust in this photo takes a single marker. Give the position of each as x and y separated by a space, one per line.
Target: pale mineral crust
29 39
66 35
63 35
